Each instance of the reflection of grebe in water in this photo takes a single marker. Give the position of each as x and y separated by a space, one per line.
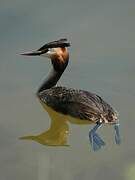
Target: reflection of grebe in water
69 105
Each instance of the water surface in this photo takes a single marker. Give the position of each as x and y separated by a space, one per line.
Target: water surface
101 61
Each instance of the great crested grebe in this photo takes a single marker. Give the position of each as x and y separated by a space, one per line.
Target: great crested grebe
69 105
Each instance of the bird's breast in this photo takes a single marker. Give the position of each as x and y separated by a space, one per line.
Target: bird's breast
64 117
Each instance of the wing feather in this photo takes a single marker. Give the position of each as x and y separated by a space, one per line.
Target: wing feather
77 103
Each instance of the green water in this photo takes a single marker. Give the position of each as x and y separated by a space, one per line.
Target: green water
101 60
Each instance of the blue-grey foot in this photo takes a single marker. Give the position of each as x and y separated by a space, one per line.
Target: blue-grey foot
117 134
95 140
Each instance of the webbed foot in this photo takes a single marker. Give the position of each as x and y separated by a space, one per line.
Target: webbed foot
117 134
95 140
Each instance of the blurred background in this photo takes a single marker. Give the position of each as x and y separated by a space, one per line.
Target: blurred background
102 35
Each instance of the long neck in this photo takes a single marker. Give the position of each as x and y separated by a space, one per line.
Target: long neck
53 77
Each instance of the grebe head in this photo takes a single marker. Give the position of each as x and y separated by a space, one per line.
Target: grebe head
53 50
59 53
56 51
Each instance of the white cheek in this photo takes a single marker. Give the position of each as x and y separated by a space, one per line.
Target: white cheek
48 54
45 55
